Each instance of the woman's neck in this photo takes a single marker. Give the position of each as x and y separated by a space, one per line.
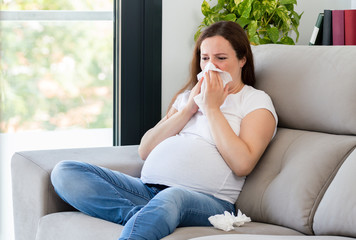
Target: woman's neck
236 87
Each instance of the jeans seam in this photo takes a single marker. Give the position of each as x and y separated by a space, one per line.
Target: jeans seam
133 225
94 171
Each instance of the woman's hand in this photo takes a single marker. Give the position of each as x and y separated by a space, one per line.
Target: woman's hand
215 93
191 106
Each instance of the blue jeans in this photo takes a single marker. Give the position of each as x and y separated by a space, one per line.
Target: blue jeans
146 212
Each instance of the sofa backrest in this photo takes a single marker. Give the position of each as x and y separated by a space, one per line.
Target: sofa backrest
309 164
313 87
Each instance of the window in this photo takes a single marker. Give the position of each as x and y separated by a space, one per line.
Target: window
56 81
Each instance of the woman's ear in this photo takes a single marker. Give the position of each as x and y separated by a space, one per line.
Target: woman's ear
242 62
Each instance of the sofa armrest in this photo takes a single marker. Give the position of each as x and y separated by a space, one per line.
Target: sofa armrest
33 193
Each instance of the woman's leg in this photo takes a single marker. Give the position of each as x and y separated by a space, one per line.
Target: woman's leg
100 192
171 208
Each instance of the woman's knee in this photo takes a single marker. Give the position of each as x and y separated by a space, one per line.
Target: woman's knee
65 175
63 170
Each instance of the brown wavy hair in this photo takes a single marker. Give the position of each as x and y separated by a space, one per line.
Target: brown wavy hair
237 37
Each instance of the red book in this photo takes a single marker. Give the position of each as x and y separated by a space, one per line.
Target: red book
338 26
350 27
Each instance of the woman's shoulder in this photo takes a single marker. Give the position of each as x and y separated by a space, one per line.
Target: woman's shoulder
255 99
249 93
249 90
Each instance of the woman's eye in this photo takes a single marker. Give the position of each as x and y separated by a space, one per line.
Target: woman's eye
221 58
205 58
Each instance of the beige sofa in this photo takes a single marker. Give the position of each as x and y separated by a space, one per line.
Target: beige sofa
303 186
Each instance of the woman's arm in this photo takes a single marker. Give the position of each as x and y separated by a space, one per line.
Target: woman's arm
241 152
170 125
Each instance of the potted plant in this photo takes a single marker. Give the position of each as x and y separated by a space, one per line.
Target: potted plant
265 21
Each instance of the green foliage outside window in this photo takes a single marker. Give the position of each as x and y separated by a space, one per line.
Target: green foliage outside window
55 75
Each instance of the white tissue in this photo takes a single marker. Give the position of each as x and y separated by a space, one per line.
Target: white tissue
225 77
227 221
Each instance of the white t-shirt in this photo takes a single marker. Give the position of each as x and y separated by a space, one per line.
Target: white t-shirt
191 160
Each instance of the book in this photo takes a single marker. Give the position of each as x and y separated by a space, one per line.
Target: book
338 27
327 28
317 34
350 27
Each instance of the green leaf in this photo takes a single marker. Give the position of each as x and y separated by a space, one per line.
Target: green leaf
244 8
282 12
287 40
273 34
283 2
231 6
237 2
254 40
295 18
257 11
229 17
219 6
205 8
221 3
206 21
265 40
252 28
197 34
290 7
295 29
243 21
269 6
216 18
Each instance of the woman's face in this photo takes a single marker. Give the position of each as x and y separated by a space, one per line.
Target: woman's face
219 51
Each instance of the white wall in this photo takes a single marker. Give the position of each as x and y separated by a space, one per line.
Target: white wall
180 21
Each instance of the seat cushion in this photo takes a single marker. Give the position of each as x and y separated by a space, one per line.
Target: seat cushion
269 237
76 225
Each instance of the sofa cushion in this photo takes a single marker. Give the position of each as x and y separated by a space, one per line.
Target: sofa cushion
312 87
336 214
292 176
76 225
269 237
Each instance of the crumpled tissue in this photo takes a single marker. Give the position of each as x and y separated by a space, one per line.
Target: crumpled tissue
225 77
227 221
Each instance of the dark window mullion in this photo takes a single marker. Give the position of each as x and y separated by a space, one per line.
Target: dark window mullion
140 87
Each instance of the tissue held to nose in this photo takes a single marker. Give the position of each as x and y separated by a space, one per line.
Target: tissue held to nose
225 77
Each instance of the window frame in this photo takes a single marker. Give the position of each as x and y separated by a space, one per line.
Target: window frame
56 15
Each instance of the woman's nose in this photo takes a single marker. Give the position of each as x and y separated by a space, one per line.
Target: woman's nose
214 63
